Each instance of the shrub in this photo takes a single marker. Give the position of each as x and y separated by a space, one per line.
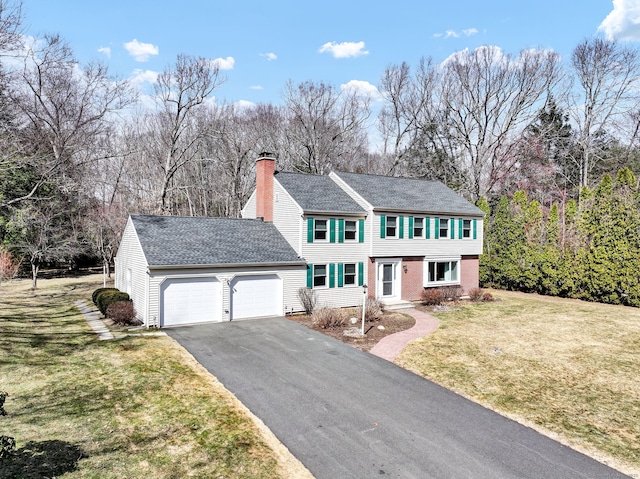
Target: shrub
308 299
475 294
8 265
453 292
106 298
488 297
3 397
328 318
121 312
97 292
432 296
373 309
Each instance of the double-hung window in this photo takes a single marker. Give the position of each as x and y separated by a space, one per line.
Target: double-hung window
444 228
418 227
319 275
466 228
392 226
320 230
350 230
350 274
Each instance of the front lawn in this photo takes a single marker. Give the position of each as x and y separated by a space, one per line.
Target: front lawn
566 367
132 407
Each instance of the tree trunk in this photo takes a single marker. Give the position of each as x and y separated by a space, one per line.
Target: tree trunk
34 275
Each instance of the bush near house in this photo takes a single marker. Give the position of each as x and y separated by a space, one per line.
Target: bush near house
475 294
105 298
328 318
97 292
373 309
432 296
122 312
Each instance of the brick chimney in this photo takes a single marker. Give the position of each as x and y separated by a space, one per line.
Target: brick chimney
265 168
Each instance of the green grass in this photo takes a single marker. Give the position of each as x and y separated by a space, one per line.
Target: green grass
567 367
132 407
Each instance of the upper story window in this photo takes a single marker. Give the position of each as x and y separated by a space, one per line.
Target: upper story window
466 228
444 227
418 227
350 230
320 230
392 226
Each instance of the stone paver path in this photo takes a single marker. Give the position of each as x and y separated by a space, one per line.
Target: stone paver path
389 347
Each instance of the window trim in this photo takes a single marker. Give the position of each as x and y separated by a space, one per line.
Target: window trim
316 230
395 227
422 229
441 229
356 232
314 276
345 274
466 233
446 282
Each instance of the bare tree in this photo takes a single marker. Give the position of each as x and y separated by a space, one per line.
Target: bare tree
487 98
63 110
10 24
326 127
607 77
180 91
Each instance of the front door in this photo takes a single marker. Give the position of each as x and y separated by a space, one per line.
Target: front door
387 279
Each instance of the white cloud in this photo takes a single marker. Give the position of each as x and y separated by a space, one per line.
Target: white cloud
245 104
623 22
256 87
141 51
467 32
362 88
143 76
269 56
106 51
344 49
224 63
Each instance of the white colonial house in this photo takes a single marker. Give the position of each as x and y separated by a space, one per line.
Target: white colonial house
336 234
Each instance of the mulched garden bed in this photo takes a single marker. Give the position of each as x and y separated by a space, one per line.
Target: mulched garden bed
391 322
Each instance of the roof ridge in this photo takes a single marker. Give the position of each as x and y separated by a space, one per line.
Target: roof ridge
385 176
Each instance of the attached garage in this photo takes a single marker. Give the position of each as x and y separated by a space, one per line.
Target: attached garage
255 296
190 300
186 270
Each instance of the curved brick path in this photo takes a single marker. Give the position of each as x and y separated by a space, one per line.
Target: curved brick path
390 346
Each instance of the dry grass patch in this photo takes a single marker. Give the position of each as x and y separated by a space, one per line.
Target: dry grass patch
134 407
564 366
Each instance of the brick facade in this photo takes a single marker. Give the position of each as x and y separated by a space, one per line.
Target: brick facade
412 278
469 273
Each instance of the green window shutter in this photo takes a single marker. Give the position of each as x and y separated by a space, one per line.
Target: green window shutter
475 229
401 221
360 231
340 275
332 275
332 230
383 226
309 276
436 234
410 227
360 274
427 227
452 223
459 228
340 231
309 230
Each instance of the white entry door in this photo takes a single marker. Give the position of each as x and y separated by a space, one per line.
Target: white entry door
190 300
256 296
388 279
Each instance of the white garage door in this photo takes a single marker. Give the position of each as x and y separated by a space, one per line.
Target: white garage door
256 296
190 300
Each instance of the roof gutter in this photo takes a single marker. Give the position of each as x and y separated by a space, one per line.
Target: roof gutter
225 265
360 214
433 213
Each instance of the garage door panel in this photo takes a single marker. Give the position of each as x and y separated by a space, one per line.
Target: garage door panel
190 300
256 296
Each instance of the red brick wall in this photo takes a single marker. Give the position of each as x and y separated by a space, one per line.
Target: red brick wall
265 167
412 279
469 273
371 278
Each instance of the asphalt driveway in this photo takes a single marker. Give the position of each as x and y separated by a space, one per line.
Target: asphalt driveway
348 414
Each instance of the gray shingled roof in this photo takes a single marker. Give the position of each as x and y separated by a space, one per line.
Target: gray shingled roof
408 194
318 194
182 240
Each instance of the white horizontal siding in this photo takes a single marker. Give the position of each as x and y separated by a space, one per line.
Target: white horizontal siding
406 246
345 297
131 257
249 210
287 216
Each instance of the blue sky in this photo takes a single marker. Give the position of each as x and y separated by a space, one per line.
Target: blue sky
262 45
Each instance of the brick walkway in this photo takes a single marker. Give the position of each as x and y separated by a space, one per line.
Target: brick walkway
389 347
